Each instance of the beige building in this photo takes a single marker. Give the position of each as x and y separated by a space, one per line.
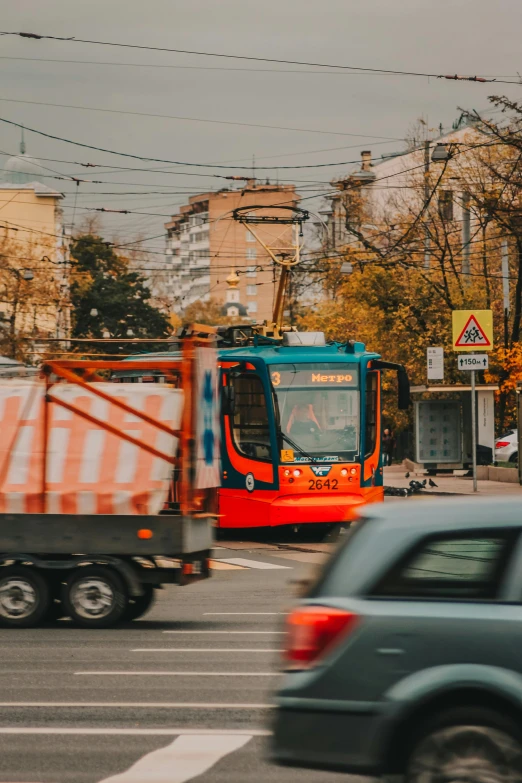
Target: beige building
395 182
33 279
205 245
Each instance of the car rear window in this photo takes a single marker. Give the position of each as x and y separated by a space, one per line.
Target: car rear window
333 576
454 567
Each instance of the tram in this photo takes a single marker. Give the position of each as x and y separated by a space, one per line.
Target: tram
300 427
301 431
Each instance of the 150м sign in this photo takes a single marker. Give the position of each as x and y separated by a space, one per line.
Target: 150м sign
473 361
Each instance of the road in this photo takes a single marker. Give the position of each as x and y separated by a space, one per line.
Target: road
183 694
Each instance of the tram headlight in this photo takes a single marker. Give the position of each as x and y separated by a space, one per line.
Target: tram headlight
353 471
287 472
344 472
297 472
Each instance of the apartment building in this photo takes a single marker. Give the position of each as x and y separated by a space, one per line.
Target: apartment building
204 245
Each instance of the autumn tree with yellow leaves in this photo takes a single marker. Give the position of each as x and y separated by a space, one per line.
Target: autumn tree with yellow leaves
411 269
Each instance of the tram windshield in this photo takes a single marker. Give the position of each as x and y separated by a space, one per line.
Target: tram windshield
318 410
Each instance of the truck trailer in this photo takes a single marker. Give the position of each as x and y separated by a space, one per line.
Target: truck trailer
106 493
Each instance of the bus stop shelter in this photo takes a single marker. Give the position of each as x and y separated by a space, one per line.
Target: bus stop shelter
442 426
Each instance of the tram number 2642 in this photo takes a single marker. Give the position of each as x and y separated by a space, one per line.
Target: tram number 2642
320 484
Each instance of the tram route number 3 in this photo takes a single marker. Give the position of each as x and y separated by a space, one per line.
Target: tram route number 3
320 484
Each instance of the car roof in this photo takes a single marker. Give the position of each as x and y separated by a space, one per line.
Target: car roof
461 513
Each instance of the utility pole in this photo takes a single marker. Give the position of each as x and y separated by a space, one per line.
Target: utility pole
426 202
474 429
505 288
466 236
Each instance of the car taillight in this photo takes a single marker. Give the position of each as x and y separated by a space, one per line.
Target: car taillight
311 630
501 444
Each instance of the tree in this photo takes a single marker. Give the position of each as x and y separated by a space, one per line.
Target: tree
31 294
398 302
209 313
108 297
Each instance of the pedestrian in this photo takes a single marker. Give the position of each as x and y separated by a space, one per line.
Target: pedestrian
388 444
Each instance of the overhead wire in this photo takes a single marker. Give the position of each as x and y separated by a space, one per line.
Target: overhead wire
252 58
220 68
193 119
163 160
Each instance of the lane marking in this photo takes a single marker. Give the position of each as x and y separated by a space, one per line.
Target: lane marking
177 674
233 632
135 732
135 704
207 649
184 759
243 614
245 563
222 565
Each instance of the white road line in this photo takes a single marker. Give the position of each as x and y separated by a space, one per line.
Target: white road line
184 759
207 649
142 704
232 632
242 561
135 732
243 614
177 674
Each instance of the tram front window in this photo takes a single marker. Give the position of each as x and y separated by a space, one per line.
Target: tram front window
318 409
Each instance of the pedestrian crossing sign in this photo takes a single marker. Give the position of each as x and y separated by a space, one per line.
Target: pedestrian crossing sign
472 329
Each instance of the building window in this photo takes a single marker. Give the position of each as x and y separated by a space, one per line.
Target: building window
251 252
251 271
250 237
252 307
446 204
251 290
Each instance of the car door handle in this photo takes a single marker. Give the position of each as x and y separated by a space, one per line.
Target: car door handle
390 651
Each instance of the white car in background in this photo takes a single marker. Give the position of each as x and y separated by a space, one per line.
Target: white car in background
506 447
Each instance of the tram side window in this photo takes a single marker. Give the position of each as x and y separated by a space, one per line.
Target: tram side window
370 438
251 431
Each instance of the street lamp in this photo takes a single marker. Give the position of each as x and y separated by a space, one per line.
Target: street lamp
441 153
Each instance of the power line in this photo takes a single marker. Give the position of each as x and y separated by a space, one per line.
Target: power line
219 68
73 39
168 169
195 119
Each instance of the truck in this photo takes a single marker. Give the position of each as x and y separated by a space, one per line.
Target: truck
106 493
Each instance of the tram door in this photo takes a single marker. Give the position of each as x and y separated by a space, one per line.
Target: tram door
249 480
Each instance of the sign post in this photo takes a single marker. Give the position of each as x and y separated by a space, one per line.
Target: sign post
435 364
473 329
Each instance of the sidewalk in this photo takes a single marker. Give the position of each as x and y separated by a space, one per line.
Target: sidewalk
394 476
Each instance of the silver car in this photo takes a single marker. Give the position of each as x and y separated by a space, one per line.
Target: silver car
404 657
506 447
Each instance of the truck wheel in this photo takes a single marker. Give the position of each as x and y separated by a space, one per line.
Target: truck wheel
24 597
467 745
139 605
94 597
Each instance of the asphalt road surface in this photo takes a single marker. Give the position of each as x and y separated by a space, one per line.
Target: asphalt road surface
183 694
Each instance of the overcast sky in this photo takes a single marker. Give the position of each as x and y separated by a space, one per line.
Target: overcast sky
447 36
